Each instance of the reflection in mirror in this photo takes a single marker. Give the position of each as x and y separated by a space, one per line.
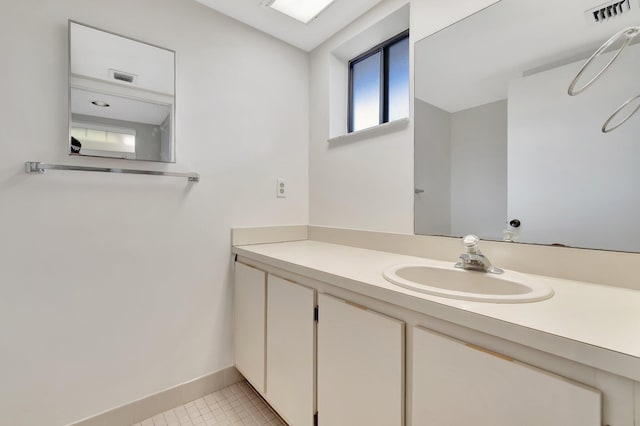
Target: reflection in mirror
502 150
122 97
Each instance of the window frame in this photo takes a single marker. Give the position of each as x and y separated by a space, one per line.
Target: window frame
383 49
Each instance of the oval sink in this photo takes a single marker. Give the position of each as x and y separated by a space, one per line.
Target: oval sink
455 283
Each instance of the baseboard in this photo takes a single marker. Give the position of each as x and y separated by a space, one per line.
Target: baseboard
143 408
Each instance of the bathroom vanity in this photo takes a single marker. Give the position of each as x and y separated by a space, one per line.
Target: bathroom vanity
319 330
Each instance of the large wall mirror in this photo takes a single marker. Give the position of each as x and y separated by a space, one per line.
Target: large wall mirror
122 97
505 151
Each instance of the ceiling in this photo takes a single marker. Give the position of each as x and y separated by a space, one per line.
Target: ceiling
95 53
305 36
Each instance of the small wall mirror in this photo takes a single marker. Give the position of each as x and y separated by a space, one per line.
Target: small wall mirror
122 97
504 151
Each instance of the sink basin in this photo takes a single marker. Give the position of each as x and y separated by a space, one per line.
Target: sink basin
455 283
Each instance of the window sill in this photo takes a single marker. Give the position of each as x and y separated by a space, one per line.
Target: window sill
380 129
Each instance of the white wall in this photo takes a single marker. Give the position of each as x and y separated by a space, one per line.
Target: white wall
113 287
368 184
568 182
432 169
479 171
364 184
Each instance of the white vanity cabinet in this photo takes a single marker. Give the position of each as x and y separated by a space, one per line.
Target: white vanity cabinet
349 365
360 353
360 366
455 383
291 343
275 341
250 323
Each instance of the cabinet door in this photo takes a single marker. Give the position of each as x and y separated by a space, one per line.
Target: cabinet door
360 366
460 384
291 350
250 320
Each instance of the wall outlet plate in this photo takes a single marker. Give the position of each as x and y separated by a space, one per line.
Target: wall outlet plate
281 188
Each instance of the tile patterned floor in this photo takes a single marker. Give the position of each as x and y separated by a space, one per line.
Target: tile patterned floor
235 405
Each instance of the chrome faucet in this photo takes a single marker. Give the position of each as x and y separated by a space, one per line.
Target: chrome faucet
473 259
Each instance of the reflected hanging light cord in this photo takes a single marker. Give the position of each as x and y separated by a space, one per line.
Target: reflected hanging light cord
628 33
605 126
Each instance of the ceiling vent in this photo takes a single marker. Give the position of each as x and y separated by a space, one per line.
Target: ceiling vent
608 11
122 76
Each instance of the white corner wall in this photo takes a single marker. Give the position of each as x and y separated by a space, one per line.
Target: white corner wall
113 287
363 184
368 184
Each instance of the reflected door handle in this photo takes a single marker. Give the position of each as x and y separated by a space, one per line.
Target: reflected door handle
418 191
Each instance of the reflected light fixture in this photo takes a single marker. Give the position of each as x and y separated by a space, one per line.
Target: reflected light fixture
102 104
301 10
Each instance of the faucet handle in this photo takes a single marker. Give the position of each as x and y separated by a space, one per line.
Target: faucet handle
471 243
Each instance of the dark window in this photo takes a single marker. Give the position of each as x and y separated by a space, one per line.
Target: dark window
379 84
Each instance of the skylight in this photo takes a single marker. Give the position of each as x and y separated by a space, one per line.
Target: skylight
301 10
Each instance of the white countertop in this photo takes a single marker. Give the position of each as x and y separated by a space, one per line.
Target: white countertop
593 324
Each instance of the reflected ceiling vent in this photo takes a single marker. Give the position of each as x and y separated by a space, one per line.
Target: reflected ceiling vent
608 11
122 76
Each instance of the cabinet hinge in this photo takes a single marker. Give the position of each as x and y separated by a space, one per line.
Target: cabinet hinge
315 419
315 314
235 257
